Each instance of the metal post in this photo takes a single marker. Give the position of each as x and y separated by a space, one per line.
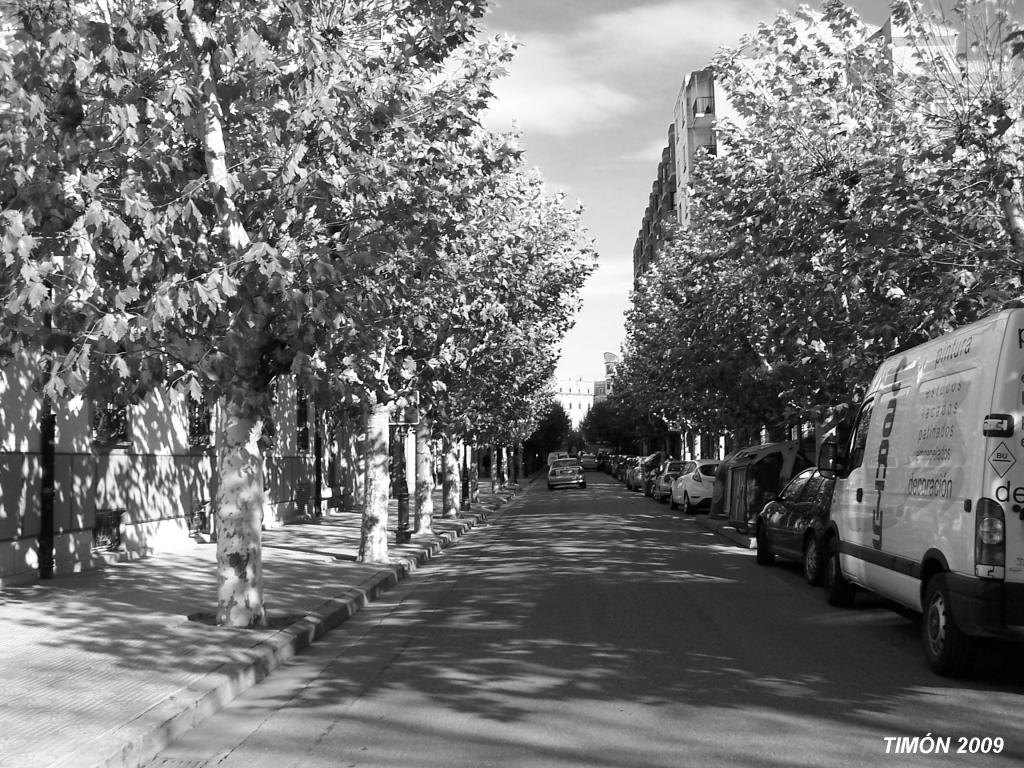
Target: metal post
48 423
464 500
403 535
47 489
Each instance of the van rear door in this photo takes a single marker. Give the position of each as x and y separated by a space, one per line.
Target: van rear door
1003 435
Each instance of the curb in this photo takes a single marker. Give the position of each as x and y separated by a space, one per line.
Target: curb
724 529
145 736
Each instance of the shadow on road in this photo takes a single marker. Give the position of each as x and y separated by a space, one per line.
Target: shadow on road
583 597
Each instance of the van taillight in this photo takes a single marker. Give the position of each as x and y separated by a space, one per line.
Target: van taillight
989 538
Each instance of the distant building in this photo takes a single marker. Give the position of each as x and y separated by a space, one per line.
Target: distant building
602 389
576 396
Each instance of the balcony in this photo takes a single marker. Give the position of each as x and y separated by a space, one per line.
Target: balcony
702 106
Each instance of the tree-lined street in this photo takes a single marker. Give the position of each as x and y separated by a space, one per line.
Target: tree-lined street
595 627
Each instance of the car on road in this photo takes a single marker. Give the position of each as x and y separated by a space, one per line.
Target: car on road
693 488
588 461
563 472
793 525
667 473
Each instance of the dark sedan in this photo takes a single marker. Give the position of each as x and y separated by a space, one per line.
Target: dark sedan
792 524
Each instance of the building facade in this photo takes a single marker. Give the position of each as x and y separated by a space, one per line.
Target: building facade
605 387
104 483
576 396
660 211
700 104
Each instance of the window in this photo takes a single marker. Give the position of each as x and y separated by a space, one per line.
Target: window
200 416
860 435
109 423
819 491
302 418
791 492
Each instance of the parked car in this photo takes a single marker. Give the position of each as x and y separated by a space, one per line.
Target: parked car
693 489
634 474
793 525
667 473
588 461
566 472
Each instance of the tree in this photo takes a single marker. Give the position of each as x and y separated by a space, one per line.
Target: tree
550 434
975 94
816 247
610 422
218 195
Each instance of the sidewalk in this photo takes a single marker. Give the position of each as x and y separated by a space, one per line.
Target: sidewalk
105 668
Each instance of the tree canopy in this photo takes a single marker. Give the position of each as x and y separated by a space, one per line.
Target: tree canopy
848 213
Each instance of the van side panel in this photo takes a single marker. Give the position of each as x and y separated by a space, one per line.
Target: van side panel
921 464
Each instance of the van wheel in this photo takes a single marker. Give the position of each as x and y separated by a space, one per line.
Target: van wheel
764 552
948 650
838 591
812 561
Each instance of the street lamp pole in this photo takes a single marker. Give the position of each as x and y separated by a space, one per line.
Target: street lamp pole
464 500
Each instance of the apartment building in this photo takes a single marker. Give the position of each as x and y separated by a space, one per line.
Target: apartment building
576 396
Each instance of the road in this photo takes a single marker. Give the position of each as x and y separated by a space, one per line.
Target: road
597 628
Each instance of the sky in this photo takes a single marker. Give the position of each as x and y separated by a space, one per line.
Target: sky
592 90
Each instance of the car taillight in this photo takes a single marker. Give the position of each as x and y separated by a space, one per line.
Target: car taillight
989 539
696 475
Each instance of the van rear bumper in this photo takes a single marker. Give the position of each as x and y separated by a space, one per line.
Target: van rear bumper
987 608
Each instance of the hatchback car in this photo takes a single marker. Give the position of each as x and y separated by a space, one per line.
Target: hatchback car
667 473
588 461
566 472
692 488
794 523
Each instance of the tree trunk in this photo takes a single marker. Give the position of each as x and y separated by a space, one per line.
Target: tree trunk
495 469
452 479
424 477
373 543
474 474
239 520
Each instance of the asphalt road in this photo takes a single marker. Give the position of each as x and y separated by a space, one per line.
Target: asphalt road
597 628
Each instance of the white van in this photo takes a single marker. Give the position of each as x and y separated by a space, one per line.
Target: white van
929 495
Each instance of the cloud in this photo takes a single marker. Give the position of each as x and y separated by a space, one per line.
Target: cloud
591 75
548 91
